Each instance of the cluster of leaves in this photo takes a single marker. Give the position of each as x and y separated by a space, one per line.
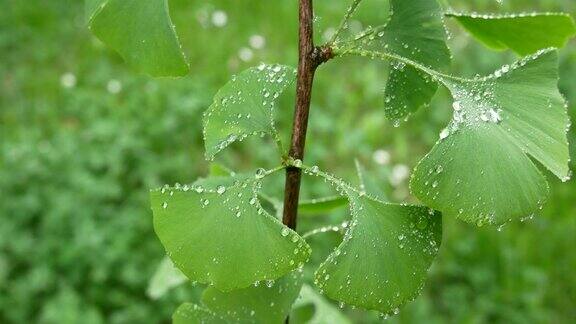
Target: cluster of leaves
216 230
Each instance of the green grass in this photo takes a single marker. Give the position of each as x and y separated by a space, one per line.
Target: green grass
76 238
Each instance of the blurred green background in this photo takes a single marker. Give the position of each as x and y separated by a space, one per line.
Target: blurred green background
83 138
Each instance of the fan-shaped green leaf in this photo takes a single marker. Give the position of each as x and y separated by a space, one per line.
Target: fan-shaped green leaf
324 311
321 205
245 106
386 252
166 277
205 231
141 32
415 31
522 33
369 184
189 313
480 170
213 182
219 170
268 302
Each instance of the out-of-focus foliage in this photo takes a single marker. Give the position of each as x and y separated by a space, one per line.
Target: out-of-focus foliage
83 138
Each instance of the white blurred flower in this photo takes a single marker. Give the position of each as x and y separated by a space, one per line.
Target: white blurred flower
400 173
381 157
68 80
257 41
219 18
245 54
114 86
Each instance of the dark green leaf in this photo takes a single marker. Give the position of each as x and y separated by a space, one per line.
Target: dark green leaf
415 31
522 33
141 32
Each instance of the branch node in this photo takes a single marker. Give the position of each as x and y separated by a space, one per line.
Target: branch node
322 54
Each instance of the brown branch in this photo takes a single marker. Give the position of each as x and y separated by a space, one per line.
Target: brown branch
309 58
306 70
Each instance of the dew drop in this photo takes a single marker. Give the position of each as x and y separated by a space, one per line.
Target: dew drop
260 173
456 105
444 133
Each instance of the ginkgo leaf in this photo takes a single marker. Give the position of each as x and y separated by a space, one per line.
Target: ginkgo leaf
324 311
219 170
189 313
384 257
205 230
480 170
166 277
141 32
522 33
268 302
321 206
369 184
245 106
415 31
213 182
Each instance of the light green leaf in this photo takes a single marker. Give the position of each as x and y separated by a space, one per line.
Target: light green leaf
226 177
269 302
141 32
321 206
522 33
219 170
324 311
166 277
245 106
415 31
213 182
369 184
205 231
480 170
384 257
189 313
